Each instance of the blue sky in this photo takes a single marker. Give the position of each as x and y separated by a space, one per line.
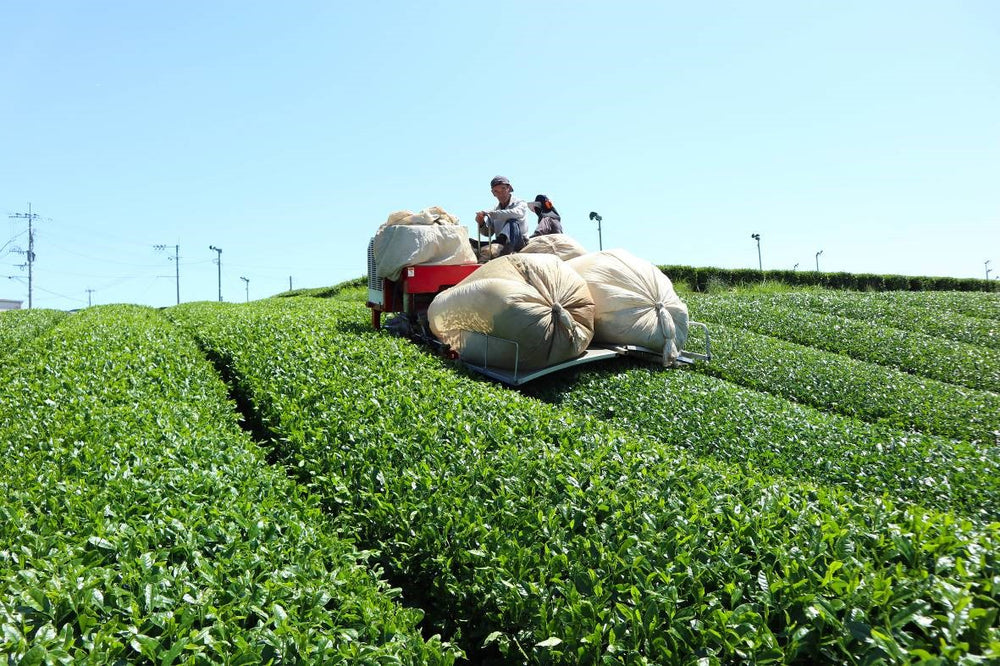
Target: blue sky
286 133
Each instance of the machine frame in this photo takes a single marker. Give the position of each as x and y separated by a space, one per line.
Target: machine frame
412 292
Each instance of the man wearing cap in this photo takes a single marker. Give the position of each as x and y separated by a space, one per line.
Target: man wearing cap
508 220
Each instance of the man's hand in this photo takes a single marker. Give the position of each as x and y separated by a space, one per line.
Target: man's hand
481 217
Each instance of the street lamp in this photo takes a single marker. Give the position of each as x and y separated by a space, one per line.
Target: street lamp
760 264
218 260
795 266
247 281
817 260
988 269
595 216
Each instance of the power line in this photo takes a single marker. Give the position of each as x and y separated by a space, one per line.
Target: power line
68 298
105 261
89 234
12 239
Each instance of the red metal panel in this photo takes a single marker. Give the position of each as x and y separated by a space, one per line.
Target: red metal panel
432 279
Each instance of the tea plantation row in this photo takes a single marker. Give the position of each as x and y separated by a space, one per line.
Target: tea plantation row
971 365
718 420
532 532
140 524
951 319
644 517
18 327
838 383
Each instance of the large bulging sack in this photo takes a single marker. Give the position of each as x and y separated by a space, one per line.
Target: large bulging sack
534 300
432 215
431 236
635 302
561 245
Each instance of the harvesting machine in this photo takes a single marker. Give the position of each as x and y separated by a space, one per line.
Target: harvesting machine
411 294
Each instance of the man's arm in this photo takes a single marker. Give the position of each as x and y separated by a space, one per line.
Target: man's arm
500 216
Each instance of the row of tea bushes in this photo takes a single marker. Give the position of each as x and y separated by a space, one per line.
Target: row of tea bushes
916 353
17 327
708 278
896 310
973 304
532 534
139 524
837 383
718 420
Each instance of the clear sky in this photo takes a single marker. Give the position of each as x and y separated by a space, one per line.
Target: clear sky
286 133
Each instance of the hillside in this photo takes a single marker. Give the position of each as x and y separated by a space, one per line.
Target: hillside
826 490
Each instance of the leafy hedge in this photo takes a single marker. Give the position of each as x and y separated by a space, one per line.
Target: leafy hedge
326 292
980 305
17 327
916 353
711 279
837 383
720 421
904 311
543 536
139 524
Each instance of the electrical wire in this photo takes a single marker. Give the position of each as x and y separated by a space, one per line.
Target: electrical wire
89 234
13 238
103 261
52 293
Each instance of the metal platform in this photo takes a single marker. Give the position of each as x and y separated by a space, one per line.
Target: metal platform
597 352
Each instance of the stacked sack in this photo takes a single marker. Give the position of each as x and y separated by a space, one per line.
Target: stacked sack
432 236
535 300
635 303
561 245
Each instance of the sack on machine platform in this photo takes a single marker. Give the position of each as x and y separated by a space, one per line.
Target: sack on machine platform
431 236
635 302
561 245
535 300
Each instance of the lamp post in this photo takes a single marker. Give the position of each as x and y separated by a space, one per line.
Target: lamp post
795 266
218 260
988 269
817 260
760 264
595 216
247 282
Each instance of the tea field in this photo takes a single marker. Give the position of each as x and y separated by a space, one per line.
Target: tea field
274 482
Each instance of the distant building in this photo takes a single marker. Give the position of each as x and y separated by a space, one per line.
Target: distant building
6 304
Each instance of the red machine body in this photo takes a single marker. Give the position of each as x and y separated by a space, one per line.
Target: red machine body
413 291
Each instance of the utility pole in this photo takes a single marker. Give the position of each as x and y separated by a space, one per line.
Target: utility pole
988 269
89 292
218 260
289 283
31 244
247 281
817 260
177 267
760 264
